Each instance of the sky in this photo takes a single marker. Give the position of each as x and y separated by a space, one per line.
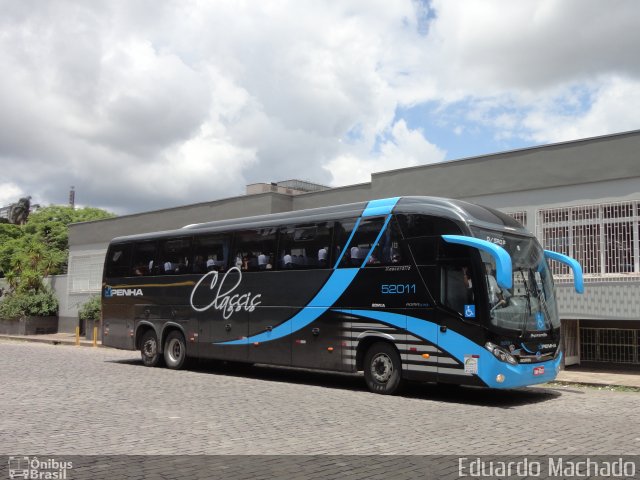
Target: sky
149 104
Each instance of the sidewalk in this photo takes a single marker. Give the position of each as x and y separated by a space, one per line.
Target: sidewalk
572 375
52 339
618 378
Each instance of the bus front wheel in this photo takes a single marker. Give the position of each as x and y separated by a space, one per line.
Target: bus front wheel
382 369
149 349
175 350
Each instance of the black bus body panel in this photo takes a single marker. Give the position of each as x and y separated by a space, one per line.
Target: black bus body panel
263 317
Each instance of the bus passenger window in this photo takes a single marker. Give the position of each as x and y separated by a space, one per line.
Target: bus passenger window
211 252
342 231
389 250
144 259
119 260
304 246
457 288
255 249
175 255
361 244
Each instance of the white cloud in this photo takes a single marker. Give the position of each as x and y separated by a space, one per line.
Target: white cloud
116 97
9 193
402 148
614 109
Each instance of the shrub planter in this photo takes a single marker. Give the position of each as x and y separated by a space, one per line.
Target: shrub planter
29 325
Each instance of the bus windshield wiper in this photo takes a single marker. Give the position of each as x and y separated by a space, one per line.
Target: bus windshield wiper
540 295
523 327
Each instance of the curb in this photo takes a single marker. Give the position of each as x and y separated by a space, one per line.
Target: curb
50 341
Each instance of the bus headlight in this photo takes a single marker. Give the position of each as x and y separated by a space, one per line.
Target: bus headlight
500 353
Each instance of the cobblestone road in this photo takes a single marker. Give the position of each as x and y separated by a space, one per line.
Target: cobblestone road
68 401
63 400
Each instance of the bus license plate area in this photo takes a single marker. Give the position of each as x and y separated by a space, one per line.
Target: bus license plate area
538 371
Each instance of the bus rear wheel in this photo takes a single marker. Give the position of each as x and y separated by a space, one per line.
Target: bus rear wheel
175 350
382 369
149 349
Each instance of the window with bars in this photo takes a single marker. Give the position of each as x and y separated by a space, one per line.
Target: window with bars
85 272
603 238
611 345
519 217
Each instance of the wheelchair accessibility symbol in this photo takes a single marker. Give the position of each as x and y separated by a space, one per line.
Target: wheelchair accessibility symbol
470 311
540 320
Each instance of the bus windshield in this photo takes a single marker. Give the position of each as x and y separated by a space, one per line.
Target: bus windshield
530 304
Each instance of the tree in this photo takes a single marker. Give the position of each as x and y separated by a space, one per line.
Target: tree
39 248
19 212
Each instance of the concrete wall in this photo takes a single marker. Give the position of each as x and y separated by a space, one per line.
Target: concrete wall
67 312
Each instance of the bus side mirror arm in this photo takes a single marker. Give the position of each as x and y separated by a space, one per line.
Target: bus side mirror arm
578 280
504 272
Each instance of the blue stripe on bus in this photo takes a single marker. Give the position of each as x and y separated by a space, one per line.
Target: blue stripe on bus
353 232
381 206
375 244
458 346
328 294
338 282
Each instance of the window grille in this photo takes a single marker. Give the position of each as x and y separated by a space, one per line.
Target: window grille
603 238
611 345
519 217
85 272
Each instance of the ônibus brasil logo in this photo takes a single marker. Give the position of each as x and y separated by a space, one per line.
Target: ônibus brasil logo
122 292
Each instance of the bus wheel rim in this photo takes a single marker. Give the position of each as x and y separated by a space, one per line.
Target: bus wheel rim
175 350
382 367
150 348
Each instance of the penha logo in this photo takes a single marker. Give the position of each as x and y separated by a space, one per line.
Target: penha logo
224 301
122 292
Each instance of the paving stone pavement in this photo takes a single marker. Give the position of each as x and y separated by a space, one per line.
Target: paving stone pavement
65 400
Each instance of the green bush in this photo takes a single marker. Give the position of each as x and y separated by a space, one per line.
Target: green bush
91 309
20 304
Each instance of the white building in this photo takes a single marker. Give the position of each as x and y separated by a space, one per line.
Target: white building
581 198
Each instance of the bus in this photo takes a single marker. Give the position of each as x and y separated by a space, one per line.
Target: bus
406 288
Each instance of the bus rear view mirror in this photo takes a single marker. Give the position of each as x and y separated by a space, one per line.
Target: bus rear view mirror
578 280
504 274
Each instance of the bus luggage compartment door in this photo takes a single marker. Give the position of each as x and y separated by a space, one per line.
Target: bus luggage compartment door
224 338
117 326
270 335
319 344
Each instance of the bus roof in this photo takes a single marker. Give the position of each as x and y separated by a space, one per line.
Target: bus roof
468 213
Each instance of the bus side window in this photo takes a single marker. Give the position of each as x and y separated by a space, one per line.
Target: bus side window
119 260
211 252
304 246
255 249
342 231
145 260
389 250
175 255
361 243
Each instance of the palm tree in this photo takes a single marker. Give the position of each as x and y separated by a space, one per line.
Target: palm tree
20 211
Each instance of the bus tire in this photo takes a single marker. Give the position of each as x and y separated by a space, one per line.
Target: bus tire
149 349
175 350
382 369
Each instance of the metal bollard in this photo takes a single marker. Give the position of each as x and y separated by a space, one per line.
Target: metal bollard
95 336
77 336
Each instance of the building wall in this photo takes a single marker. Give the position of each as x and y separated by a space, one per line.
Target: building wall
586 172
